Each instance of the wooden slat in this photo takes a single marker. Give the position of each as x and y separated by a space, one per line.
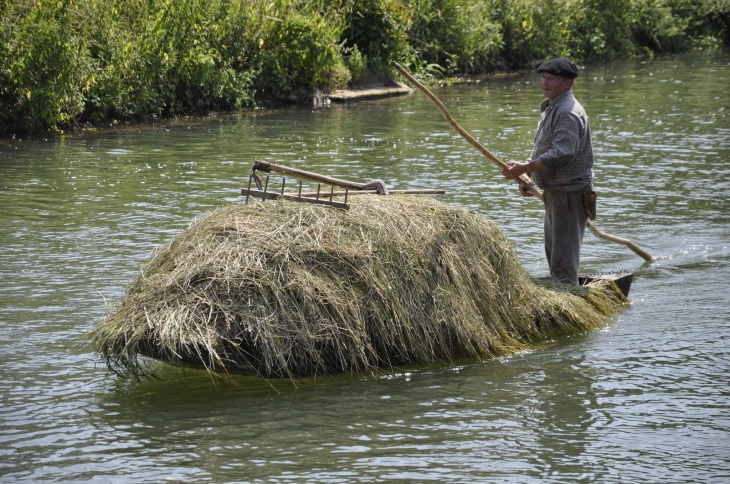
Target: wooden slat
277 196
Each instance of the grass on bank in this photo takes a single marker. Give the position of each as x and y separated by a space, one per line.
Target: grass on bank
65 63
287 290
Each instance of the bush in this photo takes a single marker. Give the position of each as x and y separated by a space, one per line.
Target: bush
356 63
532 30
300 53
44 66
376 27
170 58
63 62
459 35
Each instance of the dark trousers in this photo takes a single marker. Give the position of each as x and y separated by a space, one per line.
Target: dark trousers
565 224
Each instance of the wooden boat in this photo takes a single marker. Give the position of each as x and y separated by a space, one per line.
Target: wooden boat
622 279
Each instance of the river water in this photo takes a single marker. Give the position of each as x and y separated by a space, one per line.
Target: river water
646 399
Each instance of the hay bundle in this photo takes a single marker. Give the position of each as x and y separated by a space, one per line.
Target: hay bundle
287 289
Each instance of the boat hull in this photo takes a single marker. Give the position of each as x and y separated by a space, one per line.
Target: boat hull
622 279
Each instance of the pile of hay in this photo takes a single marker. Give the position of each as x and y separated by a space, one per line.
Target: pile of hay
288 289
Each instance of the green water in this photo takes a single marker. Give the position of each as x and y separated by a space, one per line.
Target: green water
644 400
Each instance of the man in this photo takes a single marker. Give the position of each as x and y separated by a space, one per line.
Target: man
561 164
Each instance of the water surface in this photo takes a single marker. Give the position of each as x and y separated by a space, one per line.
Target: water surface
642 400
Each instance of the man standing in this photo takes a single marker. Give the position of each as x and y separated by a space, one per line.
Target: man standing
561 164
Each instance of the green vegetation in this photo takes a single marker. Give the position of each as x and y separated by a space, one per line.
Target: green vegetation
289 289
66 62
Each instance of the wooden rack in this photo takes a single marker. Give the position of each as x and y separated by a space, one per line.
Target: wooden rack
318 197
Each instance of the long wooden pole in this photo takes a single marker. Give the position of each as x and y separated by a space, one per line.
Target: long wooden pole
523 180
308 175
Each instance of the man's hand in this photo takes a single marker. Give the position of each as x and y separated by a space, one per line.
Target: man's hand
525 192
515 170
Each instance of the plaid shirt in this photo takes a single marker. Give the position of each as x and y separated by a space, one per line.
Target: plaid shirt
563 143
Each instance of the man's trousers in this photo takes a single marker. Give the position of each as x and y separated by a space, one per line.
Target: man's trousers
565 224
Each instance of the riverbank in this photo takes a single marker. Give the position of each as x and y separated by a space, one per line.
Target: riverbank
66 64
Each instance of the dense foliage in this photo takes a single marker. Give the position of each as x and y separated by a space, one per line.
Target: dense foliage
64 62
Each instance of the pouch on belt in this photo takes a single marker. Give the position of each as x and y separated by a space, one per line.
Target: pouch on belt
589 202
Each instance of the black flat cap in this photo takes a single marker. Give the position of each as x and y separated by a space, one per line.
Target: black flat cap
560 67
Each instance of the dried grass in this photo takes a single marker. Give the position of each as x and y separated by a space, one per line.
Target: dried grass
286 289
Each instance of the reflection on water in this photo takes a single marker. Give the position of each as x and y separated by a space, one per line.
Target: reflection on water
644 400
